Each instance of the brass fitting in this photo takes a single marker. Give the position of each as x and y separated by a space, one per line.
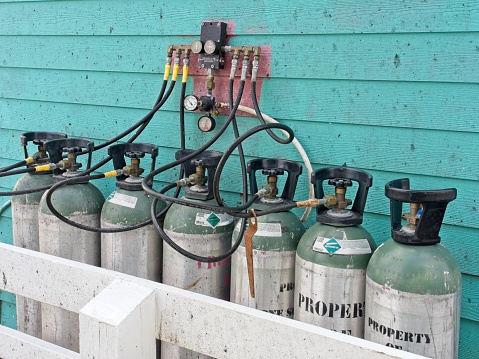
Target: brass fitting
133 169
210 83
72 162
271 187
331 201
63 165
411 217
198 177
247 51
342 201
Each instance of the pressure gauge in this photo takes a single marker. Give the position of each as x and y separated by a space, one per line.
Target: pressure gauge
206 123
196 46
210 47
190 102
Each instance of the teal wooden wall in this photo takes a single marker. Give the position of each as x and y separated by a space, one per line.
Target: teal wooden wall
386 86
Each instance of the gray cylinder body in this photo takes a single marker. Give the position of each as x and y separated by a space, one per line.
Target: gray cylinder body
136 252
25 235
81 203
193 230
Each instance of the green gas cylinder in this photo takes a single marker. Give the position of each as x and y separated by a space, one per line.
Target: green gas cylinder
201 232
81 203
413 285
274 243
138 251
333 254
25 221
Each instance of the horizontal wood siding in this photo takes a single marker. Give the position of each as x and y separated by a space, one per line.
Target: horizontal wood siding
388 87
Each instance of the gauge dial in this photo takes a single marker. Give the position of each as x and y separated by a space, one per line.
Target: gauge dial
210 47
196 46
190 102
206 123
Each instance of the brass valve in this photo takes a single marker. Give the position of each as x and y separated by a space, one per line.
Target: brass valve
412 217
199 177
133 169
271 187
71 163
338 200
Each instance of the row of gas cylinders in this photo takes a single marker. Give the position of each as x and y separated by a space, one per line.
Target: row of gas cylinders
404 294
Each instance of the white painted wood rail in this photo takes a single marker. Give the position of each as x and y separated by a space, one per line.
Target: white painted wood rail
122 316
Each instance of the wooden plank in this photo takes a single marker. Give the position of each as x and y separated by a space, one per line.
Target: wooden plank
470 297
18 345
7 297
196 325
6 228
8 316
127 331
307 17
431 57
230 326
468 338
376 103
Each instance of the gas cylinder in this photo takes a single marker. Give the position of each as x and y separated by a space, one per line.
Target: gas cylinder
80 203
201 232
25 221
333 254
274 243
139 251
413 284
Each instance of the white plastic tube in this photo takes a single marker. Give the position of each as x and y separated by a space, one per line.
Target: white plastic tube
296 144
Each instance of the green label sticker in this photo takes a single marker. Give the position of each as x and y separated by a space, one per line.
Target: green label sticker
332 246
213 219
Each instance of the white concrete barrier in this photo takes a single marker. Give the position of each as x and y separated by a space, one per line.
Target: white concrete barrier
121 317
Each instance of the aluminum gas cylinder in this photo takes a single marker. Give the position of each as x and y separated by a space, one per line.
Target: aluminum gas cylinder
81 203
202 232
333 254
138 251
25 221
274 243
413 285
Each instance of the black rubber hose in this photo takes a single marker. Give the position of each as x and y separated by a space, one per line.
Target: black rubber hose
13 166
242 164
17 172
260 116
143 123
229 151
25 191
158 104
146 118
74 180
235 211
149 178
221 164
230 210
182 117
